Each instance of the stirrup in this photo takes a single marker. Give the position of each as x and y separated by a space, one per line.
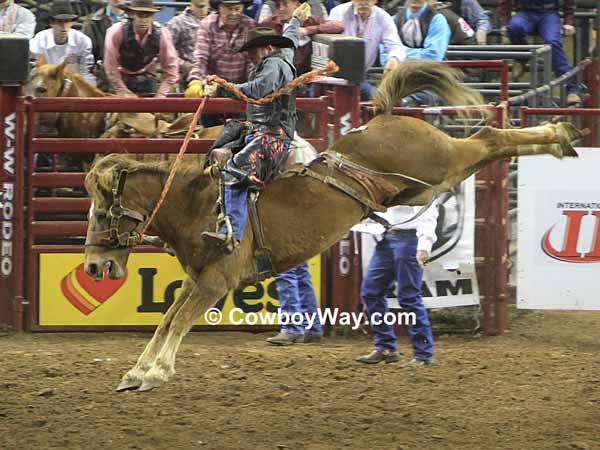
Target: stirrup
225 240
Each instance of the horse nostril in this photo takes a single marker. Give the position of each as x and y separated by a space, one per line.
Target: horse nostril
41 90
92 269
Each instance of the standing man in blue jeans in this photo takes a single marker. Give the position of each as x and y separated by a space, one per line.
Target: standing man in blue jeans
541 17
297 296
400 256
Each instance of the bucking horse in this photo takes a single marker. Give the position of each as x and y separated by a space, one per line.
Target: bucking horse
394 160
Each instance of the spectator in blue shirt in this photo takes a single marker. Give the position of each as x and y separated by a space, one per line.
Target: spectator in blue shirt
426 34
424 31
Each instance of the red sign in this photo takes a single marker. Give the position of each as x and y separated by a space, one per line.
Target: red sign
569 252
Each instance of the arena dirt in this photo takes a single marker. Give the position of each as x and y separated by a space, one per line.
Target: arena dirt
538 387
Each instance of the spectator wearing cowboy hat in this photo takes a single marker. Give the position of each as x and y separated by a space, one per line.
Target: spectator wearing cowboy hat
62 44
16 19
220 36
313 25
132 49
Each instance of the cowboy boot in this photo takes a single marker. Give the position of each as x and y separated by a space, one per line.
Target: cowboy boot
236 208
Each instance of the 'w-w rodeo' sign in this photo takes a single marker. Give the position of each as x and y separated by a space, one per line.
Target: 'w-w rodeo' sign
559 233
11 297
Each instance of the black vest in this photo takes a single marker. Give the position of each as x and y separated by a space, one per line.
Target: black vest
458 36
279 113
536 5
424 21
134 57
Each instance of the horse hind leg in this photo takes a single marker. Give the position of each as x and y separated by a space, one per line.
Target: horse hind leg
197 303
549 139
134 378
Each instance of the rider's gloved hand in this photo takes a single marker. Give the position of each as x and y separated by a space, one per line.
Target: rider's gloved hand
194 89
210 90
302 12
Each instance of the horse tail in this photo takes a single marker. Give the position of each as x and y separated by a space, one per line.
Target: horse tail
413 76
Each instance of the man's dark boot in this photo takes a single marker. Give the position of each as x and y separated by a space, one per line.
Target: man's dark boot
377 356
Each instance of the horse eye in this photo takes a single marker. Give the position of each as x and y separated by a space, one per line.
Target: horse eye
41 90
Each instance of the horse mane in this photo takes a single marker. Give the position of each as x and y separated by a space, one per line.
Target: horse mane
101 178
79 81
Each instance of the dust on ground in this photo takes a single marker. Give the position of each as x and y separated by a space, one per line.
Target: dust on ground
537 387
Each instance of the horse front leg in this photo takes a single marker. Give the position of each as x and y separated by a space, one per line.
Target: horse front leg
135 376
209 288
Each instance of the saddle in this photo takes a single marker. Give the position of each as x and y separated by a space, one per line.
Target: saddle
146 125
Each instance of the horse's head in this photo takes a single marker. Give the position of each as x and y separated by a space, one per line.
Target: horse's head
47 80
115 219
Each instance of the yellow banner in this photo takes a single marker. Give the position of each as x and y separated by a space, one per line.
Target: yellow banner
68 297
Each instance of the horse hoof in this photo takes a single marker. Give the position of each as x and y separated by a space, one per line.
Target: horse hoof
148 386
128 385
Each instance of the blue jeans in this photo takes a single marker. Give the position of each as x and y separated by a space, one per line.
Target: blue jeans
366 91
394 259
548 25
297 295
236 207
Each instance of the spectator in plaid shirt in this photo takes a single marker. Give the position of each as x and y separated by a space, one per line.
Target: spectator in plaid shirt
184 29
219 37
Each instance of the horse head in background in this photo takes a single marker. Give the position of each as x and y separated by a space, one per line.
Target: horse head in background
57 80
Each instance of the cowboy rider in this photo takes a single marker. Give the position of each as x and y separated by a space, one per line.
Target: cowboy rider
273 123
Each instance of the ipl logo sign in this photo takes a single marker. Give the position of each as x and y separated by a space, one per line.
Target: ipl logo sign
574 237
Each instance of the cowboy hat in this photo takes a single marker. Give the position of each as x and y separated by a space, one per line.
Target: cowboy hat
62 10
214 4
262 36
141 6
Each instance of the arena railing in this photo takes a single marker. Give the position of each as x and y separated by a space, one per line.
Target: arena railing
539 58
39 229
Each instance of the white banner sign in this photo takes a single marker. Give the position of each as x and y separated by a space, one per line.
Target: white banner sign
449 278
559 232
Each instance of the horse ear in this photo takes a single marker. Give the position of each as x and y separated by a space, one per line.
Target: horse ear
41 61
61 67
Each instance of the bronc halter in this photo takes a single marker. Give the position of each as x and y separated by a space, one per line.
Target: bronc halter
111 237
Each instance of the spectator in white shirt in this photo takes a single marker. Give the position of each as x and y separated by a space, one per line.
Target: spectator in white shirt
363 19
61 43
16 19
